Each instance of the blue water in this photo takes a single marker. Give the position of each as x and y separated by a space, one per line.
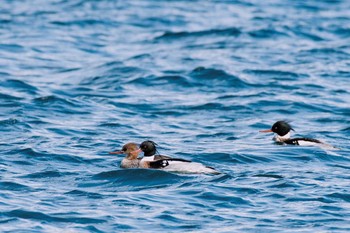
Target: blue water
201 78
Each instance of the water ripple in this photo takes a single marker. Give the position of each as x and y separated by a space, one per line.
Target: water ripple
81 78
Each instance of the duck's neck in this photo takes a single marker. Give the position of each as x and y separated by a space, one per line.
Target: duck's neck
279 138
131 156
149 153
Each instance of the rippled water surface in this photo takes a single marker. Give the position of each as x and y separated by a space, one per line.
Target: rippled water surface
201 78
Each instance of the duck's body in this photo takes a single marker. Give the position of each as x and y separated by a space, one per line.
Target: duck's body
130 163
151 159
154 158
282 129
146 160
303 141
170 164
182 166
131 159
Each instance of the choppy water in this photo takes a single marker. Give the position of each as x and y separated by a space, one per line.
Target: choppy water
201 78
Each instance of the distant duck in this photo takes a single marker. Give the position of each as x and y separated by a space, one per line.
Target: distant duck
131 160
152 160
283 135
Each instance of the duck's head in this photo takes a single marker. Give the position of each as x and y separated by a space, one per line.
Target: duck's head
282 128
130 149
149 148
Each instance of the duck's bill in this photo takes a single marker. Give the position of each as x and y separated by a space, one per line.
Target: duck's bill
266 131
116 152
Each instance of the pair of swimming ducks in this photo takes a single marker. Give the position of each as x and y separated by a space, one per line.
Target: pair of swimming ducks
151 159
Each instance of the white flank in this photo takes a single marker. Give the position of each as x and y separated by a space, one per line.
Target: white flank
144 161
328 147
308 143
186 167
322 145
147 158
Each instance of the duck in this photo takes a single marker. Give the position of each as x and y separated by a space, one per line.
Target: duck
132 151
155 161
282 130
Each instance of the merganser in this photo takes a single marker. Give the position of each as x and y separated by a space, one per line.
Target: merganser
283 133
151 160
132 151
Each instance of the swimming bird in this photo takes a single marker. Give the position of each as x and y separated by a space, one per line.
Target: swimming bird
152 160
131 159
283 135
149 149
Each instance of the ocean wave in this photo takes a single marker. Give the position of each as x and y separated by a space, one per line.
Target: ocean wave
140 178
20 85
267 33
196 34
35 215
47 174
80 78
215 77
8 185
